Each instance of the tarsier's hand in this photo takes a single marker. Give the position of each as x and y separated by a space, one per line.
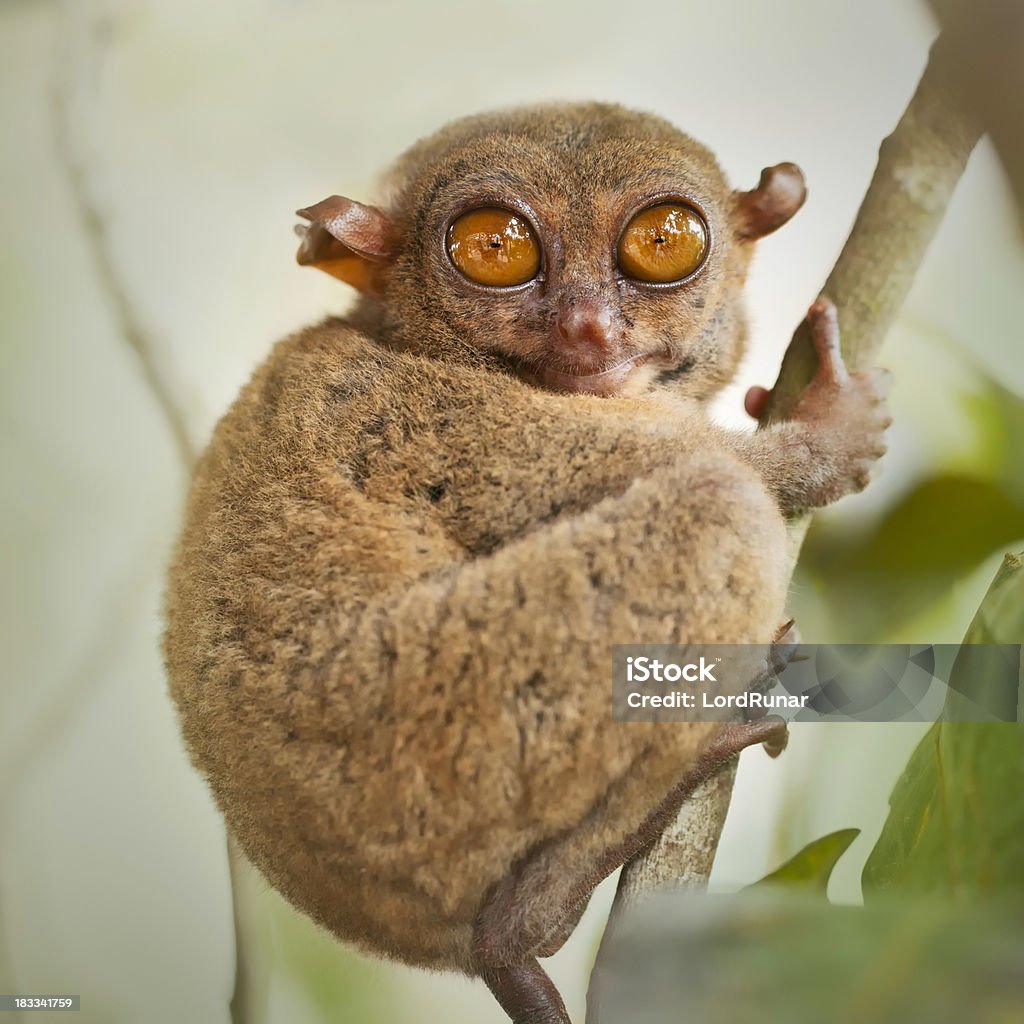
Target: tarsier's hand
847 411
835 431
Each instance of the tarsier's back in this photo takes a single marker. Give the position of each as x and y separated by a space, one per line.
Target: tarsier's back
416 533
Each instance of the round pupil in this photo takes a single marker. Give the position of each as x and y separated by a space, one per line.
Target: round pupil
663 243
494 247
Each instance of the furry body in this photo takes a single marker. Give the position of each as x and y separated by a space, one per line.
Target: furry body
391 616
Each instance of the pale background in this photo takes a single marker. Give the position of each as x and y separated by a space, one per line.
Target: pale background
154 153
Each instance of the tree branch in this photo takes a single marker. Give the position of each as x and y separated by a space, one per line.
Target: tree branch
919 165
987 65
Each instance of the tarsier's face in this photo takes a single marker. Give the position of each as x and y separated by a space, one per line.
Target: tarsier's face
586 249
578 293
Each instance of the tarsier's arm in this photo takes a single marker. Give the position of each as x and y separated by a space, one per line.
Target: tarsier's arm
826 450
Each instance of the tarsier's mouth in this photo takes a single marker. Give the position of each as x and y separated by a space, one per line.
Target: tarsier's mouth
606 383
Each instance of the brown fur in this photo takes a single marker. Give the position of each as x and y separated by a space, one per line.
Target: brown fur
402 566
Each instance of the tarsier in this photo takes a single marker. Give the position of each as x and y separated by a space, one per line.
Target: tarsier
418 530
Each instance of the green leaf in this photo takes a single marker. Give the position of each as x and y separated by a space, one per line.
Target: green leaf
812 867
1000 618
956 820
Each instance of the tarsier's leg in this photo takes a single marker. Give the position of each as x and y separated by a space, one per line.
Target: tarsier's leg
503 928
558 938
734 737
500 931
781 652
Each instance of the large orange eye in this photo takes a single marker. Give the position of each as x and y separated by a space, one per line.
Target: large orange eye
494 247
663 243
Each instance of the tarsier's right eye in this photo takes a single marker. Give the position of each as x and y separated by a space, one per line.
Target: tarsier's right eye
495 247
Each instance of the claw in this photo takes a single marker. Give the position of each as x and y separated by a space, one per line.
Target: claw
787 632
784 647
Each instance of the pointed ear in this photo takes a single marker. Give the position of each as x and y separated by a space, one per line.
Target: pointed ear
779 194
347 240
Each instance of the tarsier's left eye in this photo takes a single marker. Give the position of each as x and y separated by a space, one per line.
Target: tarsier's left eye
495 247
663 243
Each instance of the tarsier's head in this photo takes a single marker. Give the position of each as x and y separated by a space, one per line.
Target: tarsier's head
586 248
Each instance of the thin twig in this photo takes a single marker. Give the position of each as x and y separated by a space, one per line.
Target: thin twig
249 995
97 237
81 44
919 165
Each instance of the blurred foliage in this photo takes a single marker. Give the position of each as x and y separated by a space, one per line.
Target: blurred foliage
338 983
932 536
787 958
997 416
956 821
812 867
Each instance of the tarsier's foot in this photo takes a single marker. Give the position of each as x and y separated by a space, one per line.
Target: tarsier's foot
770 731
776 737
847 410
781 652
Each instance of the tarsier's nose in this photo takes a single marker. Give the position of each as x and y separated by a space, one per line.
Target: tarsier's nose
586 327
